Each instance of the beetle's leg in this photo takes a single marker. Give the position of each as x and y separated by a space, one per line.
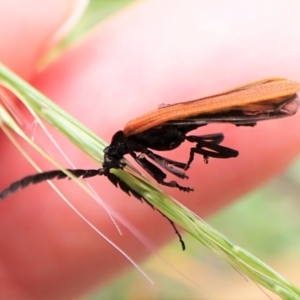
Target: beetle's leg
165 160
216 138
167 164
208 149
157 173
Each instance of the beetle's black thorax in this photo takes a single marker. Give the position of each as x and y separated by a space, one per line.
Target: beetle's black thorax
163 138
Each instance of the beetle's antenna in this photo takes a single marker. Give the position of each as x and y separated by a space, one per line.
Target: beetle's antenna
118 182
55 174
175 229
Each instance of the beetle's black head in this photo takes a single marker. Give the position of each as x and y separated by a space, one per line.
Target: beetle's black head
115 152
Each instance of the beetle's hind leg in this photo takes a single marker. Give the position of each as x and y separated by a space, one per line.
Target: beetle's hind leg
157 173
216 138
208 146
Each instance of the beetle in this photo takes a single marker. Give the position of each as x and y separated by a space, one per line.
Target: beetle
167 128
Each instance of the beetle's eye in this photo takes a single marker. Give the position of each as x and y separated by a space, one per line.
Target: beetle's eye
106 150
